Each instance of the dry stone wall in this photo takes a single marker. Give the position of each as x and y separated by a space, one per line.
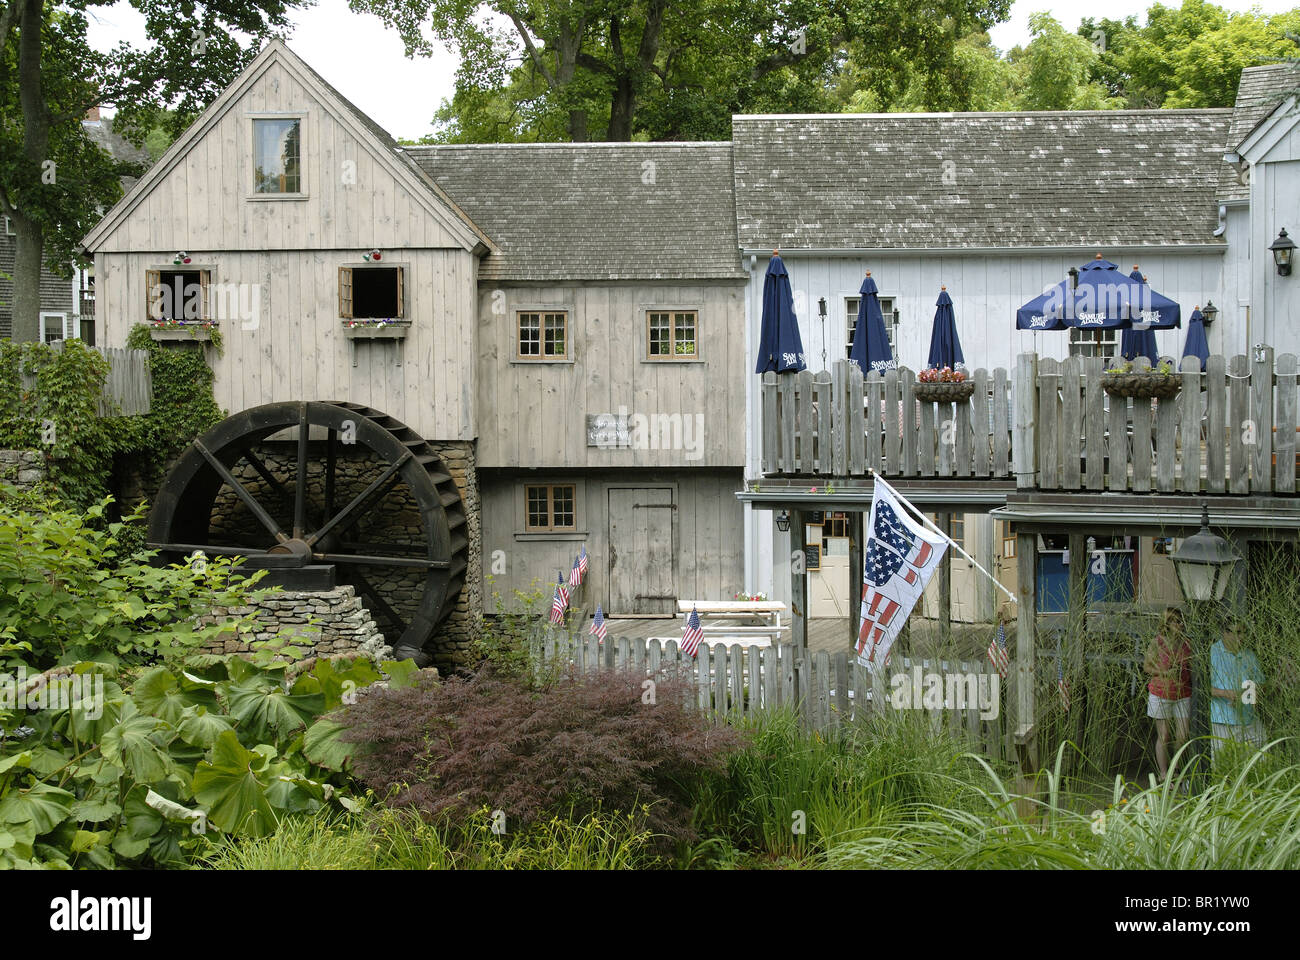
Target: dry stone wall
23 469
325 622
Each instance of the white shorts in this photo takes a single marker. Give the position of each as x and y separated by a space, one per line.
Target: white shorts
1252 733
1163 709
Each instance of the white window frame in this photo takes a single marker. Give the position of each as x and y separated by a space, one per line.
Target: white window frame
886 312
65 331
251 167
9 227
1082 337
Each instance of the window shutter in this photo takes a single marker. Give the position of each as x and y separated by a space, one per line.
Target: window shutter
152 282
204 277
401 294
345 293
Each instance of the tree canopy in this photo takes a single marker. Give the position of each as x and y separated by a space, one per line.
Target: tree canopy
54 181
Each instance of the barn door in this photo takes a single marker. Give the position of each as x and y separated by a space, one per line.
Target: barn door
641 581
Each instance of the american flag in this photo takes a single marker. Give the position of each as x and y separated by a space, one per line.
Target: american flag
561 601
693 633
998 652
899 558
1062 686
598 628
579 568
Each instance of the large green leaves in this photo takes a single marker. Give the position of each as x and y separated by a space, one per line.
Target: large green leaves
231 791
42 805
133 744
264 710
160 694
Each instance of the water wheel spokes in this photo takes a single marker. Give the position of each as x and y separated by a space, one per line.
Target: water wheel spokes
287 526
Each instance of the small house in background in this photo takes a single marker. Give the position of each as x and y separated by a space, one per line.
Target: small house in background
67 303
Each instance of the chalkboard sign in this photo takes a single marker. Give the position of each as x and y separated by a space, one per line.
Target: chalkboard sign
812 556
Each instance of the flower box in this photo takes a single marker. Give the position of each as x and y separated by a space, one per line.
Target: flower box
1141 385
944 391
395 330
181 331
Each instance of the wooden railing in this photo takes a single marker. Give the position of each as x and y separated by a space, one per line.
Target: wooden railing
1230 429
839 423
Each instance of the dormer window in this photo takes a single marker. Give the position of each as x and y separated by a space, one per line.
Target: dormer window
277 156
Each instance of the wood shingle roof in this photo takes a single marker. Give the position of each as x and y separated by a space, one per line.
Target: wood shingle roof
595 211
958 181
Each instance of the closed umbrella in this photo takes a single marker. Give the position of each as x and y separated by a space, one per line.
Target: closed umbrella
945 347
1139 341
1196 344
780 348
870 341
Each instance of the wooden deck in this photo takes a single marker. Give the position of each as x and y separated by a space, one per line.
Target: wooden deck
1230 429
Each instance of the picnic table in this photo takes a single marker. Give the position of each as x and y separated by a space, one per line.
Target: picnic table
751 622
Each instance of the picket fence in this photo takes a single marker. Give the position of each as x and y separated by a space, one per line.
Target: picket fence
735 682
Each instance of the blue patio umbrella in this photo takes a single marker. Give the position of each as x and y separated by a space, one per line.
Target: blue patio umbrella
780 348
1139 341
1105 298
945 347
1196 344
870 341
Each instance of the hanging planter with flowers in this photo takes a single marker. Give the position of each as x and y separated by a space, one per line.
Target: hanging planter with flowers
943 386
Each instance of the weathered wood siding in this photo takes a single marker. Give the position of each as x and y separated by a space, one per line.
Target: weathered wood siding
297 349
534 414
707 561
353 200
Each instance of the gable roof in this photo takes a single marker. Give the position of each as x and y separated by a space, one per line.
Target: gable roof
1029 179
1261 91
367 132
595 211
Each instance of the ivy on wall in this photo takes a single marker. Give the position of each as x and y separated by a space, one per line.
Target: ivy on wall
49 402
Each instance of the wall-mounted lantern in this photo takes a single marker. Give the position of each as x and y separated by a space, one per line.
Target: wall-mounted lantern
783 521
1209 312
1283 252
1074 278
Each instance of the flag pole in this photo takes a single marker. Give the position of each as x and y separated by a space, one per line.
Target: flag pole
877 478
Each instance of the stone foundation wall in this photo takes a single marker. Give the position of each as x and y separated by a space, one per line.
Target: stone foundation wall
22 468
326 622
466 618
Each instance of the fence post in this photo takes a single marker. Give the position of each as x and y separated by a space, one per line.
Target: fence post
1024 451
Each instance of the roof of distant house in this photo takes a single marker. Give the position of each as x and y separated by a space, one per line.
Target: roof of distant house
595 211
1259 93
965 180
116 146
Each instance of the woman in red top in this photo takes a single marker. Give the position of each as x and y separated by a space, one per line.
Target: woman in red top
1169 694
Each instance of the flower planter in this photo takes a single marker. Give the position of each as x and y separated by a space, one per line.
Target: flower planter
375 331
944 392
1141 385
181 331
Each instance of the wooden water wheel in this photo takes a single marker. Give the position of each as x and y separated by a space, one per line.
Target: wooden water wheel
294 522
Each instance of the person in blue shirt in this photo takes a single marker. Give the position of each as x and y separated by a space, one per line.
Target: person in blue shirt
1235 679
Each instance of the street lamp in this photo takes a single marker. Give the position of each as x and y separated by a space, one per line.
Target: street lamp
1204 563
783 521
1283 251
